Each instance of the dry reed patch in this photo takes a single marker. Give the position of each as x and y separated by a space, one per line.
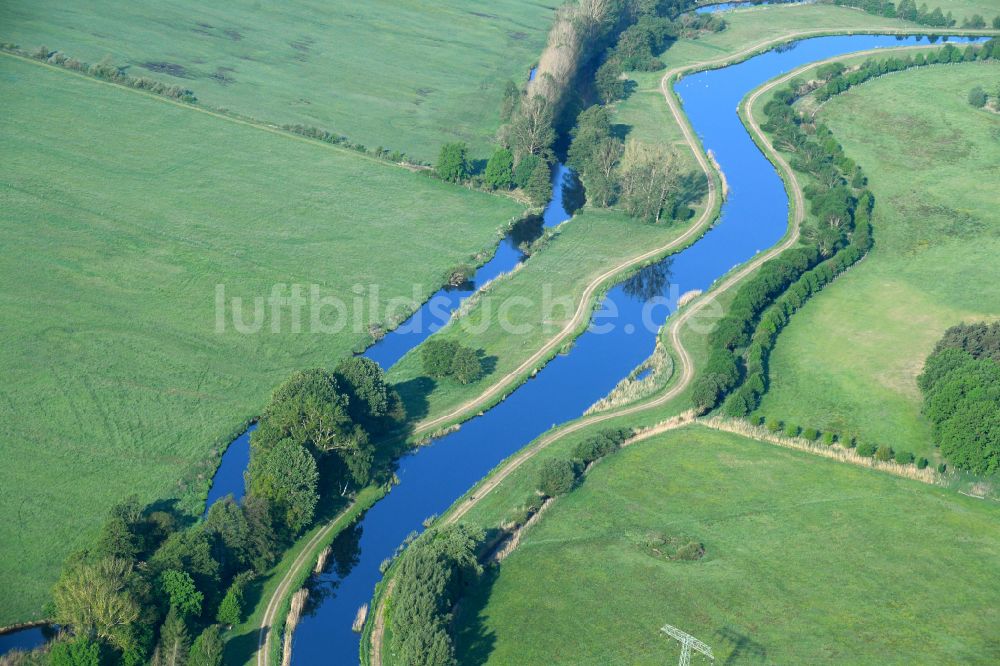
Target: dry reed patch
658 369
294 615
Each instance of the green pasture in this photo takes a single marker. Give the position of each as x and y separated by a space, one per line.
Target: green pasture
848 361
122 214
806 561
402 74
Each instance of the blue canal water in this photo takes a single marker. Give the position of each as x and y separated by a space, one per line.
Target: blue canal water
728 6
25 639
621 336
228 479
435 313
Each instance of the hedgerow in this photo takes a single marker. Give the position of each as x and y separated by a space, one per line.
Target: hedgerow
741 342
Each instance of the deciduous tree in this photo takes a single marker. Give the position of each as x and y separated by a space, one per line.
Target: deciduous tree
285 475
453 163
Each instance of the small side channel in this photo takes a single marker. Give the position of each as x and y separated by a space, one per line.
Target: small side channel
567 197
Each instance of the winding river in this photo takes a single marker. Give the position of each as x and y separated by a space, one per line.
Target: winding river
622 335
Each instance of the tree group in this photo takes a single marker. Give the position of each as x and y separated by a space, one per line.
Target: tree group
961 386
152 590
452 360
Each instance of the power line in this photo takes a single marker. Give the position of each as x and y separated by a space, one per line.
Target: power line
688 643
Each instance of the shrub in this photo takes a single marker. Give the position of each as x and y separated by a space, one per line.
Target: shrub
884 453
942 468
792 430
466 367
500 169
539 186
534 502
434 571
80 651
811 434
524 169
231 609
922 463
904 457
436 356
757 420
977 97
774 425
829 438
690 552
599 445
556 477
866 449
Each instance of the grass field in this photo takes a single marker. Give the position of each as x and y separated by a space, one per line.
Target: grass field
122 212
402 74
806 561
849 359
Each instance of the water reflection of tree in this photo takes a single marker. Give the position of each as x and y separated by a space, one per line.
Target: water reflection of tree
345 553
574 196
649 282
526 231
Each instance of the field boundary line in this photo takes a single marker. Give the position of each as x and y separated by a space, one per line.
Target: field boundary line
255 123
247 122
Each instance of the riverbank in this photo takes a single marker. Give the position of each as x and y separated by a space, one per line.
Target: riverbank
450 405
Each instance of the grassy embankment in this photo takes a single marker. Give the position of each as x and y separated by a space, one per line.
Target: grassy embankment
849 360
123 213
393 73
806 560
593 242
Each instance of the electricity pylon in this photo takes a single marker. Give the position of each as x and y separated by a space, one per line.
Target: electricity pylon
688 643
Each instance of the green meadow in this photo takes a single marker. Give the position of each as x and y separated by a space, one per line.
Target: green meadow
848 361
122 212
805 560
402 74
